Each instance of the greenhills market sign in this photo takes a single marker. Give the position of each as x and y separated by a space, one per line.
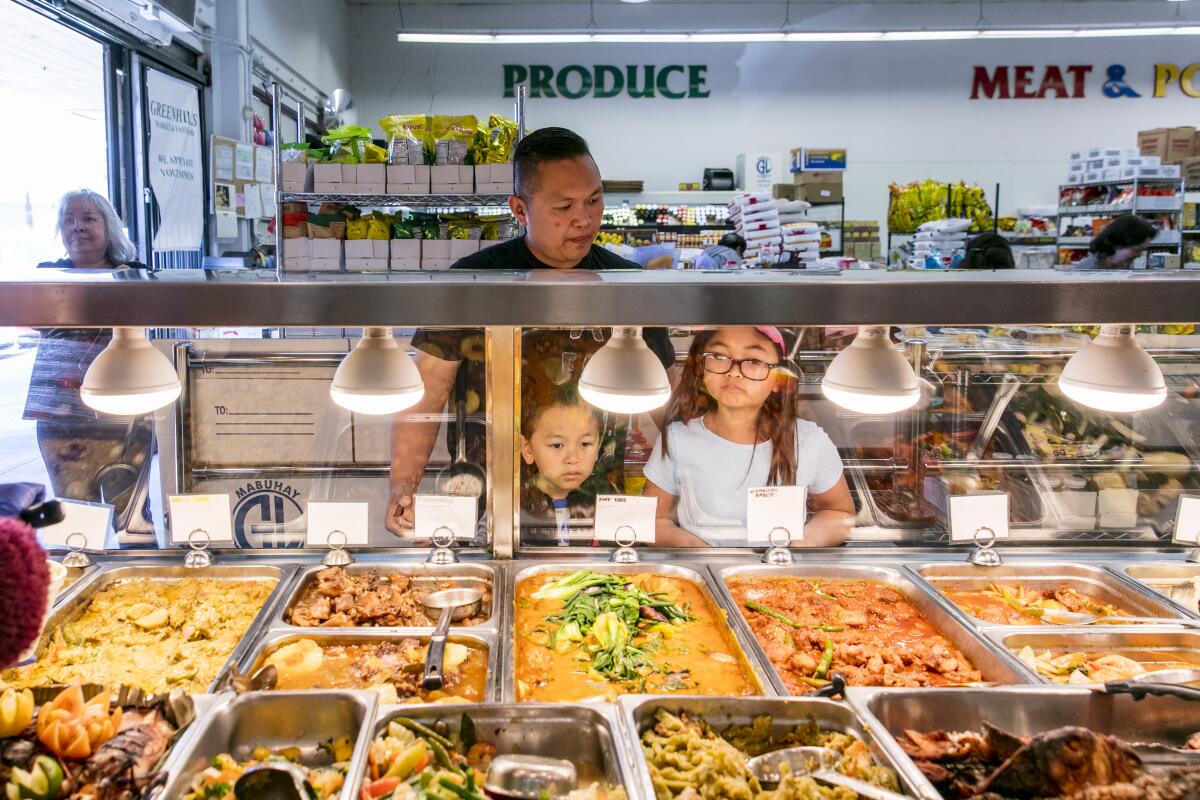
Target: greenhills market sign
674 82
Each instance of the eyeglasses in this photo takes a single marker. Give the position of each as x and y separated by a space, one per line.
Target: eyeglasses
751 368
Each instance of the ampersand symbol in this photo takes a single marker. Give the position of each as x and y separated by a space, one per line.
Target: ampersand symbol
1116 86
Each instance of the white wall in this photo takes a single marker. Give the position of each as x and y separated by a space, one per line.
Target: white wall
902 109
313 37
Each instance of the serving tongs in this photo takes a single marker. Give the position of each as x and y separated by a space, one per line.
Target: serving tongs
1140 689
818 763
991 420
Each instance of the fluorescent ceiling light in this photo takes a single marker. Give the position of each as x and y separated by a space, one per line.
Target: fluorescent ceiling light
871 376
794 36
624 376
378 376
1113 373
129 376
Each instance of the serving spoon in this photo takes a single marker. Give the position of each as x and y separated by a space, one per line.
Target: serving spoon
1078 618
274 781
816 763
449 605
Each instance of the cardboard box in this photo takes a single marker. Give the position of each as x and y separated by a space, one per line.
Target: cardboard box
452 174
366 264
405 249
1189 169
818 159
335 188
494 188
1076 166
817 193
335 173
1093 164
404 264
326 248
370 173
461 248
324 265
806 178
757 171
435 250
367 188
295 176
366 249
1093 177
435 264
407 179
1170 144
783 191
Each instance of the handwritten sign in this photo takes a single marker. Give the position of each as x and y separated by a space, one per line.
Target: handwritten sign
614 512
771 507
205 512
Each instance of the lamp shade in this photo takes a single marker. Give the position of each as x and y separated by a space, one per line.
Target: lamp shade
378 376
1113 373
871 376
129 376
624 376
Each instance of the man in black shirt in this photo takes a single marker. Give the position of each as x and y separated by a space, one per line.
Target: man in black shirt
559 199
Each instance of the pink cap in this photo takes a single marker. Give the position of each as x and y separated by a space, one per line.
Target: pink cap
772 333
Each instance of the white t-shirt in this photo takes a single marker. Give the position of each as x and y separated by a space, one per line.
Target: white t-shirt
710 475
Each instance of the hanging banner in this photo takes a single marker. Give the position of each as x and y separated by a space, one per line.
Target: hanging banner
174 161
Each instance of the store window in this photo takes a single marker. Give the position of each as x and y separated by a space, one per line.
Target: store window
55 135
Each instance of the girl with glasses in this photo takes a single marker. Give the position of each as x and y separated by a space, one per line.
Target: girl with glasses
732 426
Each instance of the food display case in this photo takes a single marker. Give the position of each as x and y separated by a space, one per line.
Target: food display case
631 646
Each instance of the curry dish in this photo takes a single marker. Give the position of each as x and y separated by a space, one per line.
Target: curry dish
391 668
153 634
1002 604
865 630
589 636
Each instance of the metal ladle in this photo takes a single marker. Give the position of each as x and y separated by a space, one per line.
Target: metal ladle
274 781
522 777
816 763
450 605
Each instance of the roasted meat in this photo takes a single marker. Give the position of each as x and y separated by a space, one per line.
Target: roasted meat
339 599
1063 761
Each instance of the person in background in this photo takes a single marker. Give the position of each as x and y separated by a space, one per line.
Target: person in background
92 234
559 198
77 443
1119 244
987 251
732 426
726 254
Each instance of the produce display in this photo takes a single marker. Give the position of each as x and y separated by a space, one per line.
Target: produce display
77 748
325 774
391 668
1016 604
866 630
588 635
411 761
911 205
1099 667
153 634
689 759
336 598
1068 763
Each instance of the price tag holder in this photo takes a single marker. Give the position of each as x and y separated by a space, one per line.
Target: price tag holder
85 526
1187 521
349 518
614 511
200 512
771 507
970 512
456 512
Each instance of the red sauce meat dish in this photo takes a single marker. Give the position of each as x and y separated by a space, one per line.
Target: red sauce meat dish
866 630
340 599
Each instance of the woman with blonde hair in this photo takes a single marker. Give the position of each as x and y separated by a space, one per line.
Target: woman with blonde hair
92 234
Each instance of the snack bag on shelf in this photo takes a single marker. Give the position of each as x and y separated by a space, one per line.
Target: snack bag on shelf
377 225
347 145
356 229
452 138
494 143
293 151
408 139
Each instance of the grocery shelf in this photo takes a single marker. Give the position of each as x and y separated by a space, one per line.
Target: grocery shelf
671 198
405 200
1121 208
1126 182
668 228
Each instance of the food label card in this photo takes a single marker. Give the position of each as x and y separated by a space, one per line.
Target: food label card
205 512
1187 520
614 511
771 507
456 512
326 518
94 521
970 512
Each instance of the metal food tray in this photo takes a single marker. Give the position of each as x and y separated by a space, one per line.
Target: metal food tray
238 724
81 594
1023 711
1147 575
1183 645
520 571
591 737
71 584
994 664
273 640
1093 580
638 714
467 575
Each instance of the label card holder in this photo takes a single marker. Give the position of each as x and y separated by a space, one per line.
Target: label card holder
456 512
351 519
204 512
1187 521
614 511
771 507
85 526
970 512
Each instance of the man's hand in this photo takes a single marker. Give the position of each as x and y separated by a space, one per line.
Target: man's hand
400 511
